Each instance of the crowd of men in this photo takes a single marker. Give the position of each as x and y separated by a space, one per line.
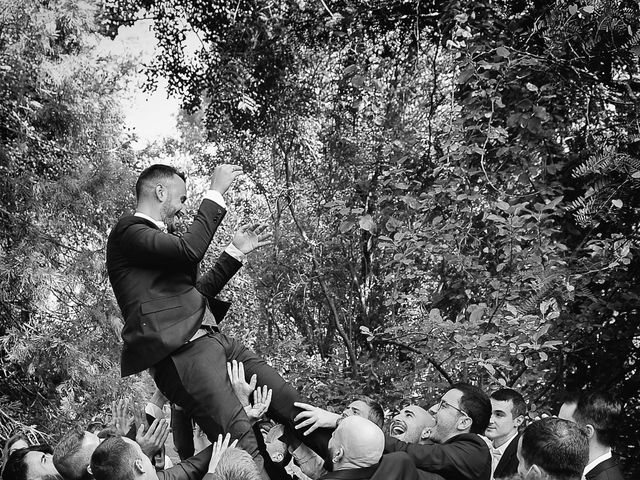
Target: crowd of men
171 329
466 435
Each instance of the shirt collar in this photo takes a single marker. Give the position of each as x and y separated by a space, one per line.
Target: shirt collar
596 461
503 448
158 223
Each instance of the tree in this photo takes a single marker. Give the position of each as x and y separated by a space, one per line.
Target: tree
63 156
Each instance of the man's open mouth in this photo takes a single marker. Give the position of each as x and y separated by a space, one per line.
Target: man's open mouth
398 428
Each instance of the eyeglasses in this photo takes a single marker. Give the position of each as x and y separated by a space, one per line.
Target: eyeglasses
444 404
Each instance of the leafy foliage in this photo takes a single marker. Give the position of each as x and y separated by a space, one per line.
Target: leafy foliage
62 186
452 188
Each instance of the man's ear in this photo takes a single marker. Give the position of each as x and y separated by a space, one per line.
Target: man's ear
161 192
425 434
535 472
519 420
137 465
590 430
464 423
338 455
89 470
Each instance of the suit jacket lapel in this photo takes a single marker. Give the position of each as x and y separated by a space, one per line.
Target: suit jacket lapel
601 467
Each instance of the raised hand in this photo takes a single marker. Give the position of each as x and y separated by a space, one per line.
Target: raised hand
223 177
261 402
314 418
120 416
219 447
250 237
152 439
242 389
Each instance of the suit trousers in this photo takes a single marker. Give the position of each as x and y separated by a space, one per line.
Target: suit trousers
195 377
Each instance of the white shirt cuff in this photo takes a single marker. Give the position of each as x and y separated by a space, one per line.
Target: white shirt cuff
216 197
235 252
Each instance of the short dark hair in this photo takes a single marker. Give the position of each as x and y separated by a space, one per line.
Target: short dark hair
15 468
376 413
559 447
113 458
151 175
236 464
68 457
513 396
475 403
569 397
603 412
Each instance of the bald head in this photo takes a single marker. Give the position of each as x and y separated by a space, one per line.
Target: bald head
356 443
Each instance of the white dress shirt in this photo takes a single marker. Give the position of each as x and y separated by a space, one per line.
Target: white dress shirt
497 453
596 461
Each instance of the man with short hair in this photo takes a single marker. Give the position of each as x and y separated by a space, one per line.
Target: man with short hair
31 463
457 451
553 449
568 406
234 464
366 407
356 453
599 414
355 448
72 454
171 314
412 425
316 417
121 458
508 411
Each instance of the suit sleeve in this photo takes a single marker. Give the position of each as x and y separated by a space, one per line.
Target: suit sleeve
148 246
193 468
438 458
213 281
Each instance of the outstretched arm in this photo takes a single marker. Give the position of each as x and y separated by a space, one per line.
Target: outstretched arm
314 418
146 246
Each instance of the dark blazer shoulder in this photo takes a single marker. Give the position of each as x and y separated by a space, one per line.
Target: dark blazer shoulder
193 468
399 466
508 464
607 470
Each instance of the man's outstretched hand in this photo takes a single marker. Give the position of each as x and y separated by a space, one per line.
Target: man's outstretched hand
223 177
243 390
250 237
219 447
314 418
152 439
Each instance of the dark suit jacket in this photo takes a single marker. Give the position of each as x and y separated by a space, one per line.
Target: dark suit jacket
154 276
350 474
193 468
463 457
392 466
508 464
607 470
397 466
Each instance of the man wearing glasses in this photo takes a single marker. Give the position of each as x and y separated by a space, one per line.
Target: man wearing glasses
457 451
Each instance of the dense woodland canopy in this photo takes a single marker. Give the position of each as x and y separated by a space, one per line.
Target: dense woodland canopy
453 188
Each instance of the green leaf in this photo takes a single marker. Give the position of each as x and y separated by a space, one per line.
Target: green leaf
357 81
503 52
346 226
367 223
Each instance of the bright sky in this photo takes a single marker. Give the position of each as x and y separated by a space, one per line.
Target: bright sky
151 116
